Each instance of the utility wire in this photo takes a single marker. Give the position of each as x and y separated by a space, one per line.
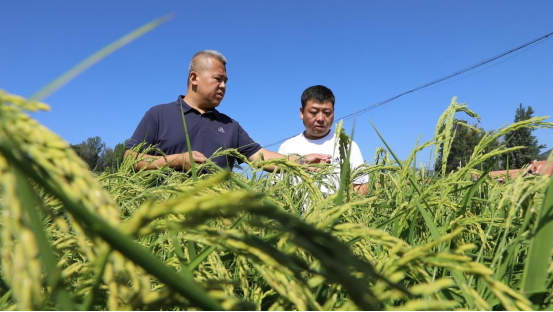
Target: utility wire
457 73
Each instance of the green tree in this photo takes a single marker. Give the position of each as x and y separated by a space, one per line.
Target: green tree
523 137
90 150
98 156
111 158
465 139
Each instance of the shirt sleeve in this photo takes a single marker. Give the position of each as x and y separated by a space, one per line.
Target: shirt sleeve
246 146
356 160
282 149
146 131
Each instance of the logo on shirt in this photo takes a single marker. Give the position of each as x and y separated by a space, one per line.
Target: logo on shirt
221 130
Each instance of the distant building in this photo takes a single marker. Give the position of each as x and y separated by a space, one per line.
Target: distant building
535 168
541 167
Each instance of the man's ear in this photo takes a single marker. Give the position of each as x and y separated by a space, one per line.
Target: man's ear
301 113
193 78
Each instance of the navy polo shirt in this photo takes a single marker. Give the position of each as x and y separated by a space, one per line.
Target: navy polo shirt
162 126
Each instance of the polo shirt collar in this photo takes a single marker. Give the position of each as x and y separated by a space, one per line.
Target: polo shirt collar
187 108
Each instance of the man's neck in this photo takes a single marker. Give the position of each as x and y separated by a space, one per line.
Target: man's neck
319 138
193 103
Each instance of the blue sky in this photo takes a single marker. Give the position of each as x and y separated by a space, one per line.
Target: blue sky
365 51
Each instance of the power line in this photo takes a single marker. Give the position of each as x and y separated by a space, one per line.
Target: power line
457 73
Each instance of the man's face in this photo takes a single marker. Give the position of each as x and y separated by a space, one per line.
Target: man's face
211 83
317 119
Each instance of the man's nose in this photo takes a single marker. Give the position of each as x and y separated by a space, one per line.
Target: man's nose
320 117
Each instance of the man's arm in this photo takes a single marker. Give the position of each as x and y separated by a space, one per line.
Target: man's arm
361 188
310 159
176 161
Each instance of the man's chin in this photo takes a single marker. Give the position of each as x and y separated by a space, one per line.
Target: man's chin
315 135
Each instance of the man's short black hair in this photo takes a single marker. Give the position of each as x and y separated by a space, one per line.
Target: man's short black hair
317 93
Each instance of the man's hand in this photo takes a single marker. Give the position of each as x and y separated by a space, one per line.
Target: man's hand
317 159
176 161
183 160
308 159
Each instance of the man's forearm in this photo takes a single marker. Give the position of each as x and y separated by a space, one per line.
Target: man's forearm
266 155
150 162
361 188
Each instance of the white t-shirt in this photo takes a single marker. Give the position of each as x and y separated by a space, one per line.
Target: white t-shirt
327 145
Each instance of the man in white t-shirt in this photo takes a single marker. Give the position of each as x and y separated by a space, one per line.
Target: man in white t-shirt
317 113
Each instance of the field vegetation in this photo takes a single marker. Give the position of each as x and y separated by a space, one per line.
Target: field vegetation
73 239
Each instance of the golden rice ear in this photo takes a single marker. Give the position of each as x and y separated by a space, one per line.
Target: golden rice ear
21 265
11 99
33 146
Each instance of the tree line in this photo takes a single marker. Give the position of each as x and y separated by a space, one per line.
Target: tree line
98 156
467 137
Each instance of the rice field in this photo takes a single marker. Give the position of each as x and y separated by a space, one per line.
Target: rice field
167 240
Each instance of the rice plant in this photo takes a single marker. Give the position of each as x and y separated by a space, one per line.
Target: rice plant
162 240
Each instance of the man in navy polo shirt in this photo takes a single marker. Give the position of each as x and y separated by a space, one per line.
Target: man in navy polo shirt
208 129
